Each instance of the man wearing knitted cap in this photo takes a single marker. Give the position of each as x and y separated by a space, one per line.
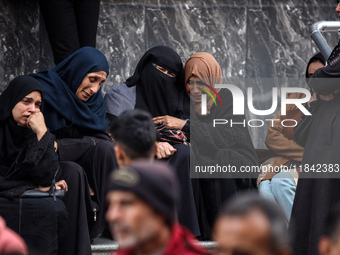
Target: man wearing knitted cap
141 211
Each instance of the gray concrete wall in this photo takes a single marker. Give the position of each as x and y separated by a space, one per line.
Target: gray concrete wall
250 39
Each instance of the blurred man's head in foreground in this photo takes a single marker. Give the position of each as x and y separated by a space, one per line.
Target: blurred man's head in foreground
141 204
251 225
135 136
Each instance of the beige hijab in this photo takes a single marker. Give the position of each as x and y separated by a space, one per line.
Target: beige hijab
204 66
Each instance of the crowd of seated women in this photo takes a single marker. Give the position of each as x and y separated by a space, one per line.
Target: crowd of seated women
53 137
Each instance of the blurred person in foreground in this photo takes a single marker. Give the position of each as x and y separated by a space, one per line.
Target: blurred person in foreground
251 225
135 137
10 242
329 243
141 211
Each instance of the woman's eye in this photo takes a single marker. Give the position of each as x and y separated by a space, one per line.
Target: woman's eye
92 79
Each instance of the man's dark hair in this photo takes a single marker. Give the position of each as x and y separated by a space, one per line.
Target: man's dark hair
134 132
333 224
249 202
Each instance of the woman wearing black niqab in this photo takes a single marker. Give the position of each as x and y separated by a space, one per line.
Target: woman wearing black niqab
28 161
159 90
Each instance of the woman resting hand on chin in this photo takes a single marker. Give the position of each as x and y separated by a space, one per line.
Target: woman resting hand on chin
28 161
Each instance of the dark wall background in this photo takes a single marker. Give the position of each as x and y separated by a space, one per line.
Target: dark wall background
249 38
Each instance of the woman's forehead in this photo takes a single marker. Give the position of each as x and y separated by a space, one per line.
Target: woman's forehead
100 74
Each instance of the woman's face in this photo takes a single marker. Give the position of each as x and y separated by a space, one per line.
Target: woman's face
192 88
313 67
195 87
30 104
164 70
90 85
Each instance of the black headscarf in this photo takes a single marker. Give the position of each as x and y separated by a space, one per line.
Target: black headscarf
158 93
62 107
13 136
317 57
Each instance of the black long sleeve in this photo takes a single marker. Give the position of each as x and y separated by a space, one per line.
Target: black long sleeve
321 82
36 165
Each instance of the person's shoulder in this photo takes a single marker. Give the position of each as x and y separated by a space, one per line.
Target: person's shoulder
121 93
120 98
122 252
183 242
225 95
121 89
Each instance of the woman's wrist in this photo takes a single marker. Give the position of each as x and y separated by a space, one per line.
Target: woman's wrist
182 123
41 132
186 126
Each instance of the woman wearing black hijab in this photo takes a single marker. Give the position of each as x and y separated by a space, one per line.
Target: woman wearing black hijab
157 86
75 113
28 161
315 59
301 132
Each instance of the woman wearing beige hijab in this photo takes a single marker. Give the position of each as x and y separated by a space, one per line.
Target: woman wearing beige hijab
203 71
212 146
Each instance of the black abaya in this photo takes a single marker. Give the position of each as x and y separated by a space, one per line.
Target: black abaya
223 145
314 198
39 221
96 157
77 201
186 209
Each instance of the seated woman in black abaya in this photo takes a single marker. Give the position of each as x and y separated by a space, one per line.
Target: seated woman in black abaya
157 86
75 113
224 145
28 161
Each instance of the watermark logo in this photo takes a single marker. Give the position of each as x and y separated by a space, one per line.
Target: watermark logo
239 99
204 97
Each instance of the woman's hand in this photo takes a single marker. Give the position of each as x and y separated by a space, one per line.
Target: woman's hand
164 150
330 96
169 121
59 186
55 146
36 123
